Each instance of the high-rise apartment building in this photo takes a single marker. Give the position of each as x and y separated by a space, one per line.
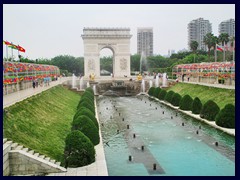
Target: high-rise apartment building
227 26
145 41
197 29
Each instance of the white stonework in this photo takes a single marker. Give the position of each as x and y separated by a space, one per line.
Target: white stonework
116 39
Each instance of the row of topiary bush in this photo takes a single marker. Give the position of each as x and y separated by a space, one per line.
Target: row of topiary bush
79 145
209 111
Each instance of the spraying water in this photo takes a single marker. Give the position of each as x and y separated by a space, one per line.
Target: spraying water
157 81
94 89
143 86
164 80
150 83
73 81
88 85
81 83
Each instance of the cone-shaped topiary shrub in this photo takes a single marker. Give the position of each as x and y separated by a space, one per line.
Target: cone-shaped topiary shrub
89 89
88 113
85 99
196 106
151 91
209 110
162 94
226 117
88 106
87 127
176 99
79 150
169 96
156 92
186 103
88 94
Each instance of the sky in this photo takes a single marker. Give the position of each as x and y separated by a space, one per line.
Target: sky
49 30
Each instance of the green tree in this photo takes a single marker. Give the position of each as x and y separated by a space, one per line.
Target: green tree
135 62
79 150
194 46
208 40
196 106
186 103
226 117
209 110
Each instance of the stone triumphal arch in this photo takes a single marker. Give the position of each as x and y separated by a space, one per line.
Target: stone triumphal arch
116 39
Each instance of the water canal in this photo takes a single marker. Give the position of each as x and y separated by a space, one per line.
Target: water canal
156 135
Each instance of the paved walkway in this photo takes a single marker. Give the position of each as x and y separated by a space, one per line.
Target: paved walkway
12 98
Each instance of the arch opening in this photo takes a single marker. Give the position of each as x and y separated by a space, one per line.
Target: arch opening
106 61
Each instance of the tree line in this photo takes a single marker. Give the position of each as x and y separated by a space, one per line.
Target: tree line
69 64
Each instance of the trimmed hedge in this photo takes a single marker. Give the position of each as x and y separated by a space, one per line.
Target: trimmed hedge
88 106
196 106
169 96
162 94
86 99
89 89
79 150
186 103
210 110
176 99
156 92
151 91
87 127
226 117
85 111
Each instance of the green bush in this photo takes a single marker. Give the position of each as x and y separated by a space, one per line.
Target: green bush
88 106
176 99
151 91
88 113
87 127
85 99
89 89
169 96
210 110
196 106
162 94
156 92
88 94
226 117
79 150
186 103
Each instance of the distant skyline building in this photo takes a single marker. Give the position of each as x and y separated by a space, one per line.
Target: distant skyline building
145 41
227 26
197 29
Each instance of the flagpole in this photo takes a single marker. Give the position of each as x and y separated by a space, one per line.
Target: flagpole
234 51
224 58
7 52
215 53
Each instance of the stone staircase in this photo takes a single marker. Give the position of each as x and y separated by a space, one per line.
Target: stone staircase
19 160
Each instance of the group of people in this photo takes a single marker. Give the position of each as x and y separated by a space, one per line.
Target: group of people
45 80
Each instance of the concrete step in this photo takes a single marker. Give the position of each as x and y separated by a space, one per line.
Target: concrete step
8 142
4 140
25 149
14 145
36 154
42 156
47 158
31 152
52 161
19 147
58 163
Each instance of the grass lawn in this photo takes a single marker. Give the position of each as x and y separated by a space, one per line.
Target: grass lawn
43 121
205 93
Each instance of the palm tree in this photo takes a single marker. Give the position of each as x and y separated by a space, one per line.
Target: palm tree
210 41
194 46
224 39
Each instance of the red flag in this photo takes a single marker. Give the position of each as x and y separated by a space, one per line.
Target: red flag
21 48
7 43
